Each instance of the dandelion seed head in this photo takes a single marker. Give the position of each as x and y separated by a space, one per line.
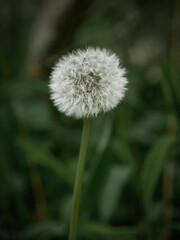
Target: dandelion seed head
87 82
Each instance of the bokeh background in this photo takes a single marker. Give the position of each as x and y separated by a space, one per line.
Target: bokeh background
132 179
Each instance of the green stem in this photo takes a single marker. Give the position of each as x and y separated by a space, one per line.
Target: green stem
78 180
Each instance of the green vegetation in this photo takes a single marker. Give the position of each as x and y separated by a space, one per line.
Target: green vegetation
132 174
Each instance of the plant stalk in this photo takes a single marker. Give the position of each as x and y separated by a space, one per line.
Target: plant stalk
79 179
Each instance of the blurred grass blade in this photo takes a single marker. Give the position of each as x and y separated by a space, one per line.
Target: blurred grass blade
44 158
94 188
171 90
116 181
152 169
99 166
105 134
167 89
102 139
96 230
42 230
173 82
122 151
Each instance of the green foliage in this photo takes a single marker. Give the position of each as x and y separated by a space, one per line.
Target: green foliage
132 174
104 231
43 230
116 180
152 169
46 159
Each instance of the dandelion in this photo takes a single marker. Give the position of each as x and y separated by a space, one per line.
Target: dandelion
84 84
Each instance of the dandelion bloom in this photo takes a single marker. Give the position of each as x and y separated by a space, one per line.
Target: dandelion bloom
87 82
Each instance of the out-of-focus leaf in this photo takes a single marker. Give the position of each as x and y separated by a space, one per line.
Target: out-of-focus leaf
99 164
171 90
44 158
96 230
105 135
34 114
118 177
102 136
145 129
65 209
42 230
94 187
101 132
152 168
167 89
26 89
176 226
122 151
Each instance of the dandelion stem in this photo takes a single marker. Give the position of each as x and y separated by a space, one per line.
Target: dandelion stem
78 180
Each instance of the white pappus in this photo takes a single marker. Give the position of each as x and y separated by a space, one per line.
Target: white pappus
87 82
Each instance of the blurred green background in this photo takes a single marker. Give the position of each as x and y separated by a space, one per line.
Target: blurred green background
132 179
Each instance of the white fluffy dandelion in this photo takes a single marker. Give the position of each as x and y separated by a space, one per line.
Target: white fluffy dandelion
87 82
